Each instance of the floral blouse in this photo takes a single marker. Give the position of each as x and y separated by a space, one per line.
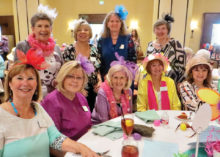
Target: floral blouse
70 54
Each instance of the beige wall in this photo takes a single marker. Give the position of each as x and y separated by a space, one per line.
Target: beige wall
141 10
200 7
6 7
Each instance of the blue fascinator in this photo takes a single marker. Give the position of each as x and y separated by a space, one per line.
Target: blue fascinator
121 12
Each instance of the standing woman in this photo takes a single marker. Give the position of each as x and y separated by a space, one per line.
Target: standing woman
82 35
155 90
26 129
170 47
40 39
136 40
115 39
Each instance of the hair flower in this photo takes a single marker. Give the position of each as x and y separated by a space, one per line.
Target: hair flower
85 64
51 13
33 57
121 11
132 67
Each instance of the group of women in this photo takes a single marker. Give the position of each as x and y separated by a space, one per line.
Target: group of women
86 85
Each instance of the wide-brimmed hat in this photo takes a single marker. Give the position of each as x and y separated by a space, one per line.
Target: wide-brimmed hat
196 60
156 56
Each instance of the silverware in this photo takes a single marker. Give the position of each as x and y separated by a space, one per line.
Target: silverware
190 115
103 154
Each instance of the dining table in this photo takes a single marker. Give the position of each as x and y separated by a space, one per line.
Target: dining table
163 133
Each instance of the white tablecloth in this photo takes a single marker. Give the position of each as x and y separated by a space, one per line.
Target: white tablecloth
101 144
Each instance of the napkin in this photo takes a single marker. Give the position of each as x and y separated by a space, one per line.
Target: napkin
109 129
159 149
148 116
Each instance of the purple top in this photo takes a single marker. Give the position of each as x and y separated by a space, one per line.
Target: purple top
102 107
72 118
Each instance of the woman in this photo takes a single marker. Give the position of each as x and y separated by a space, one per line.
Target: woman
40 39
114 95
26 129
136 40
170 47
82 35
115 39
198 75
156 91
66 105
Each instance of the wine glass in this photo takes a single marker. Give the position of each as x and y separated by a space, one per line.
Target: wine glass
129 148
127 123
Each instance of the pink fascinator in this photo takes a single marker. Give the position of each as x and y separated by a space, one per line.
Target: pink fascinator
33 57
85 64
132 67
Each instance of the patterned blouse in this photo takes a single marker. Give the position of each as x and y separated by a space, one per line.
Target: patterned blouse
70 54
189 97
176 56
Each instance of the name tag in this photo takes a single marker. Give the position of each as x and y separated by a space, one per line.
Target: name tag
85 108
122 46
163 89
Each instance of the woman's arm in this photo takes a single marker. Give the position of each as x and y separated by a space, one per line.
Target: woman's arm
69 145
142 96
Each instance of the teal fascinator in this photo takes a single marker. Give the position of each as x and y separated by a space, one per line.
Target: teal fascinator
121 12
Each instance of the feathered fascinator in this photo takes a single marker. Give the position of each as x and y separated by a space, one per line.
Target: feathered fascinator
51 13
85 64
78 22
132 67
121 12
33 57
168 18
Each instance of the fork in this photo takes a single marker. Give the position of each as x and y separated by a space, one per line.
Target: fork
104 154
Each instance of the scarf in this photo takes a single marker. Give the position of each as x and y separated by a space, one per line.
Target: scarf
111 100
47 48
152 101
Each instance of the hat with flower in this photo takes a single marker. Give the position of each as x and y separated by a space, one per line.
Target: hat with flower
121 12
156 56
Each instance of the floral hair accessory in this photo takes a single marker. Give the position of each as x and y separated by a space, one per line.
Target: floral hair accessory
51 13
132 67
157 56
33 57
85 64
121 12
168 18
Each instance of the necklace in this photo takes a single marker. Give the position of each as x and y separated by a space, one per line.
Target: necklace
16 111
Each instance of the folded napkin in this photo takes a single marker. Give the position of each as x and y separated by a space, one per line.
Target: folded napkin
109 129
148 116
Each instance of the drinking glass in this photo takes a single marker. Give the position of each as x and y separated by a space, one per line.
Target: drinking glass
127 123
129 148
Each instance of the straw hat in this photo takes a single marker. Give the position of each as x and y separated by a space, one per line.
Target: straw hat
156 56
196 60
204 53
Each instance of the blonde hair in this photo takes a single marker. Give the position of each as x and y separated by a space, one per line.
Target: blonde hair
78 24
15 70
106 30
65 70
119 68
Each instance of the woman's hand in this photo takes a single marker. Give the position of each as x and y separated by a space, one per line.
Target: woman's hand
97 86
84 92
86 152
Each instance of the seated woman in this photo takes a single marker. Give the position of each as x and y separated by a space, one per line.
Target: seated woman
114 95
156 91
198 75
26 129
66 105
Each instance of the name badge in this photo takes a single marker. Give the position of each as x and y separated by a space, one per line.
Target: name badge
122 46
163 89
85 108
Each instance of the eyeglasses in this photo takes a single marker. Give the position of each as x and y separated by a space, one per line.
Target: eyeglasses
78 78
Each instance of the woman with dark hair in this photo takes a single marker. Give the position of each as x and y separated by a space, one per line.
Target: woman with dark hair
198 75
170 47
40 39
115 39
136 40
